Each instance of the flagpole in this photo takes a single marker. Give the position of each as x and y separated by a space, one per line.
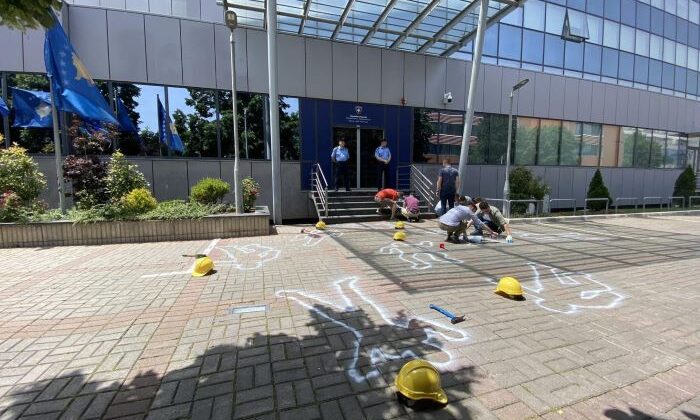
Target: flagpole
6 120
160 145
167 118
57 149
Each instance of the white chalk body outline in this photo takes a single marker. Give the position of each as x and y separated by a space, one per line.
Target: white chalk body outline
567 278
266 254
558 237
418 260
376 354
314 237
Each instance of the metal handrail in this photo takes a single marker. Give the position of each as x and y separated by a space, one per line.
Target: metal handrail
644 202
675 197
321 186
573 200
616 202
690 200
531 200
418 182
585 204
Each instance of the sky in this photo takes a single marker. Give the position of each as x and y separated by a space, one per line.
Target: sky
148 110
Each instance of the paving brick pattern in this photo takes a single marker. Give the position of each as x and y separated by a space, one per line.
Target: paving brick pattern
609 328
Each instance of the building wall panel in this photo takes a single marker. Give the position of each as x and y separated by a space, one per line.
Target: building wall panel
198 54
369 70
33 56
610 104
583 109
456 82
344 72
414 80
127 46
526 95
291 52
163 50
435 79
88 34
11 57
222 51
392 77
319 69
557 85
541 104
493 77
509 79
256 48
571 92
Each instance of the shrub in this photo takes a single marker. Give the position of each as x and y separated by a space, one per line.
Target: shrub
138 201
178 209
20 174
686 183
87 175
209 191
11 209
524 185
123 177
251 189
597 189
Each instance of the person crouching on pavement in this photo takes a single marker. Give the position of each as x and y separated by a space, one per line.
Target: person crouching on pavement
455 221
492 217
387 198
411 208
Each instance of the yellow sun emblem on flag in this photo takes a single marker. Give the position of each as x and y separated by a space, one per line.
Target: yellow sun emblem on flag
80 71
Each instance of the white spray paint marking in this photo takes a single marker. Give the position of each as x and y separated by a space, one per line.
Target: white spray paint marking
417 255
206 251
593 294
315 237
264 253
378 356
558 237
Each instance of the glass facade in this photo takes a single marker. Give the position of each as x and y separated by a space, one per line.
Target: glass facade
629 42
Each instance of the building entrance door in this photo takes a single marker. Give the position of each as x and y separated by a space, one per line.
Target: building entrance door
361 143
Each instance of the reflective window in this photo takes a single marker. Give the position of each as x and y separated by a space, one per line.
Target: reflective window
628 12
679 84
681 30
681 55
533 15
670 6
658 149
595 30
610 140
612 9
626 66
694 35
643 16
509 45
655 71
657 21
491 41
627 38
553 51
575 26
611 34
656 47
641 69
669 51
577 4
590 144
555 19
642 148
514 18
672 150
548 147
592 59
35 140
290 139
692 82
667 76
526 141
595 6
488 145
682 8
659 4
533 46
694 12
642 43
573 59
570 151
626 152
692 58
610 59
669 26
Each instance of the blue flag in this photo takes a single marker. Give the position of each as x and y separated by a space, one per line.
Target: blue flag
4 110
32 108
167 131
74 89
125 122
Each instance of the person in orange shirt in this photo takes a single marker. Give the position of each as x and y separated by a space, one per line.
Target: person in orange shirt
387 198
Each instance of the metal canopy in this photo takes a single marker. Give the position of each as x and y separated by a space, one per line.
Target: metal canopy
435 27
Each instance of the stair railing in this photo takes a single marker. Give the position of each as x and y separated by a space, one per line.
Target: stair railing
409 177
319 190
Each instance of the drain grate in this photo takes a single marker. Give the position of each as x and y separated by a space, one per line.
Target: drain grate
247 309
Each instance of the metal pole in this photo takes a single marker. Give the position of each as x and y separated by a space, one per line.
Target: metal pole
113 104
167 119
245 130
234 107
57 150
218 124
5 120
271 11
469 115
506 184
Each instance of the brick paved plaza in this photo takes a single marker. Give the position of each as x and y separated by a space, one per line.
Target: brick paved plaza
609 328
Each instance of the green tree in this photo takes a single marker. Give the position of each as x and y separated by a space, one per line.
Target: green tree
423 130
597 189
686 184
23 15
524 185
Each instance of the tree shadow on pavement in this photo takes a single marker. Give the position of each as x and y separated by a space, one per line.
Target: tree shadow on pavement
344 367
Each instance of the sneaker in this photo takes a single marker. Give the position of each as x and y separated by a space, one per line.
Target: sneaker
379 211
449 237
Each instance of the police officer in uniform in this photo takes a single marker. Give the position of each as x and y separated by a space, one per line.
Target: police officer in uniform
383 156
340 156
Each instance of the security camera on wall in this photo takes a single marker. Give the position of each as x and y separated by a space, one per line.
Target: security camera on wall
447 98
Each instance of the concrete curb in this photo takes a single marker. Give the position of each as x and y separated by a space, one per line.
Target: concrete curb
559 219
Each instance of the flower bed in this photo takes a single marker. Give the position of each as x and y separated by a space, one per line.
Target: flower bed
57 233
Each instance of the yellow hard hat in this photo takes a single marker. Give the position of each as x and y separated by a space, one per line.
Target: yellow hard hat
399 225
400 236
321 225
419 380
202 266
509 286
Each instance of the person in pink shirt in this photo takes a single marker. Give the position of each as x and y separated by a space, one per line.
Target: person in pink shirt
411 208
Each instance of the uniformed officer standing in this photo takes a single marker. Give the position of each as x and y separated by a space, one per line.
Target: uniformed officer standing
340 156
383 157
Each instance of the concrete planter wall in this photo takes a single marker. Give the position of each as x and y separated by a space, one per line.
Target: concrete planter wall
66 233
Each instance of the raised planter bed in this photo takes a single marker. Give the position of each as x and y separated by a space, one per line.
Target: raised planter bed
115 232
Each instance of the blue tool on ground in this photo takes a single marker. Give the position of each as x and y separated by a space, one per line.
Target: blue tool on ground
453 318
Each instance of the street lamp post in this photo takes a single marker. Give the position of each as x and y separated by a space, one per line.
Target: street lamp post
245 130
506 184
232 21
